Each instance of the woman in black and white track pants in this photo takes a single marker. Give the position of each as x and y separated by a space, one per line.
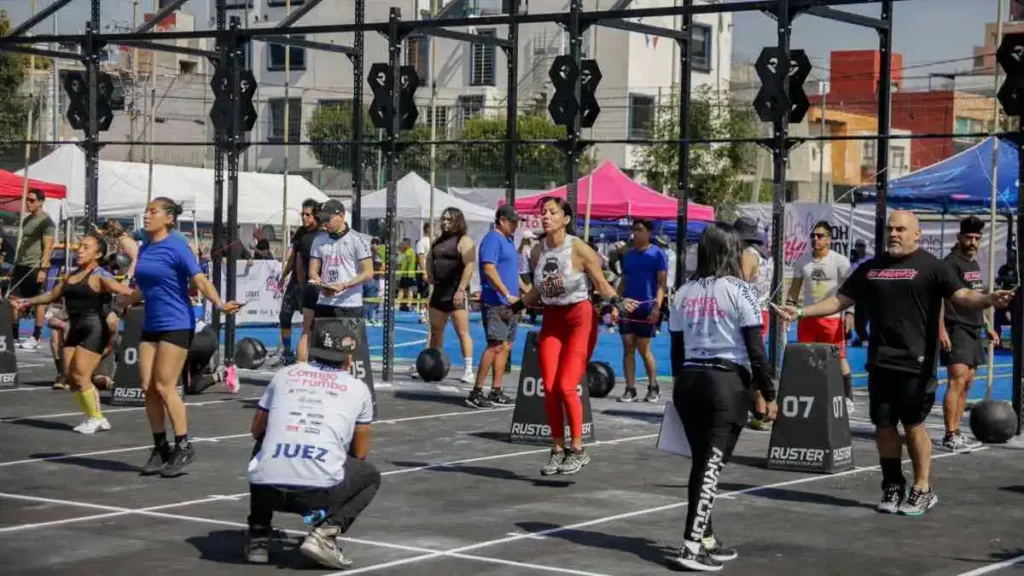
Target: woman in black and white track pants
717 354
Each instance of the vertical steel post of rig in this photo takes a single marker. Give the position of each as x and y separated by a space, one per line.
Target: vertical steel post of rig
683 166
391 208
884 125
216 252
572 140
235 44
511 102
357 119
91 49
780 156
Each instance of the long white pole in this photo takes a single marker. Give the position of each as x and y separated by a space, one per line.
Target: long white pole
287 138
28 148
989 376
152 111
433 120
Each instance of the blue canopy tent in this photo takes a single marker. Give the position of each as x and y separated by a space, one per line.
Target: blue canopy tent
615 230
961 183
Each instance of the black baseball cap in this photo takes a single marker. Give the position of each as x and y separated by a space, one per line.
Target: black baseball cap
508 212
334 340
746 229
330 208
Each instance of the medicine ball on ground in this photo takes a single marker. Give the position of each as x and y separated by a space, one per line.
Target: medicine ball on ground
993 421
432 365
600 379
250 353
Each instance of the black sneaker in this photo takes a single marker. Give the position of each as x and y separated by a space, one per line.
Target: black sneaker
629 395
717 551
498 397
257 548
653 393
892 498
699 561
476 399
919 502
181 457
157 459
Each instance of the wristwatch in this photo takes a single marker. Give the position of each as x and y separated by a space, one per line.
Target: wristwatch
799 312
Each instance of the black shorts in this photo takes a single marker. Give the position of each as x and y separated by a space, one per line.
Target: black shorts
292 300
324 311
967 347
443 298
899 397
179 338
88 332
24 282
310 296
407 283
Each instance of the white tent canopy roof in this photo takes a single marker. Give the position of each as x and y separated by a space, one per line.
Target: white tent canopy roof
122 189
414 202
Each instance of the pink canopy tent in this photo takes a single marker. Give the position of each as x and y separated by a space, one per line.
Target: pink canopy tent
617 196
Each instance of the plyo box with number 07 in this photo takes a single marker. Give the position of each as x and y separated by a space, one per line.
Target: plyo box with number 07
812 430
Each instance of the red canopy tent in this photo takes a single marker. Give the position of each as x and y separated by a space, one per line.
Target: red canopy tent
618 196
11 186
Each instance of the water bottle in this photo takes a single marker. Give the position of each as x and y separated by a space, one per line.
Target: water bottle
314 517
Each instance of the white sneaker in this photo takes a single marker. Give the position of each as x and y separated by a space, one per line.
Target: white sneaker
850 406
82 425
469 377
413 373
29 343
93 425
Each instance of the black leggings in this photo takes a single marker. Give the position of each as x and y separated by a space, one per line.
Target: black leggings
712 404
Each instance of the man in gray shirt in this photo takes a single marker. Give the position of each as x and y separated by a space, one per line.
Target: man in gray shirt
312 431
32 261
340 261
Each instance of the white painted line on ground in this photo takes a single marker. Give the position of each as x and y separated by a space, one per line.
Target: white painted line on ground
10 420
606 519
30 389
446 388
403 344
994 567
230 436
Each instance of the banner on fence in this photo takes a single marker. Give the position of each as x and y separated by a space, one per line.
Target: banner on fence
256 285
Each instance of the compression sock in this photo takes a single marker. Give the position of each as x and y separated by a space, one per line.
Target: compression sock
286 343
848 385
892 471
37 332
80 401
181 441
59 364
90 403
469 364
160 441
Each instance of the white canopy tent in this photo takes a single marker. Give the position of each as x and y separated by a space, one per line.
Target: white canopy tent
414 202
123 185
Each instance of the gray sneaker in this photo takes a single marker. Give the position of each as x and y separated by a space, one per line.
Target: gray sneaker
629 395
892 498
953 442
320 546
970 442
554 461
919 502
653 393
257 548
574 461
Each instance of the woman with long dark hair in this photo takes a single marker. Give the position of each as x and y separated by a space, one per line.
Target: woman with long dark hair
562 264
86 294
164 272
449 268
717 355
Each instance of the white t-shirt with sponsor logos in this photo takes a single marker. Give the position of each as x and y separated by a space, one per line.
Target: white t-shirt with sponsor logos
312 415
821 276
341 259
711 313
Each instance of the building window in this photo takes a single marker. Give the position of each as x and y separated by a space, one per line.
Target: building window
899 158
482 62
470 107
442 119
701 48
416 55
275 60
868 153
238 4
277 119
641 115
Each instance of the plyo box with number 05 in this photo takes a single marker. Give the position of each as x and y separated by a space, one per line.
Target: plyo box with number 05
529 420
812 430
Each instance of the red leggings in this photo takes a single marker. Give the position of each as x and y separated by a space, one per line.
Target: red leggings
567 338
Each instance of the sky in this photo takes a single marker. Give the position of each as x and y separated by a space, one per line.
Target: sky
926 30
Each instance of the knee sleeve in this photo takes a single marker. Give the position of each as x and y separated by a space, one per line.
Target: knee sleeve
285 319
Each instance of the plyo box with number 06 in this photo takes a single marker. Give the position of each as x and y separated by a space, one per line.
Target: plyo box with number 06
812 430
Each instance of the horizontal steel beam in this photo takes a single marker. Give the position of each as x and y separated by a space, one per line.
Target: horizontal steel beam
467 37
294 16
163 13
642 28
168 48
311 44
39 17
42 53
586 18
847 17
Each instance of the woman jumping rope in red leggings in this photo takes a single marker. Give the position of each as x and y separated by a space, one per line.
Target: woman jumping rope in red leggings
561 265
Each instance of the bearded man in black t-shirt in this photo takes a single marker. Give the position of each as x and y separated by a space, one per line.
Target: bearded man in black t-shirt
906 287
960 334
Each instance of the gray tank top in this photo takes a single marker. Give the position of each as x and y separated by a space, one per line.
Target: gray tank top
559 284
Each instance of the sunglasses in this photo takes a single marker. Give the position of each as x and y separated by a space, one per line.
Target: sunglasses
818 235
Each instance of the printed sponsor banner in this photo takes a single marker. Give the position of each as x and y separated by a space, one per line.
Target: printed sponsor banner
256 285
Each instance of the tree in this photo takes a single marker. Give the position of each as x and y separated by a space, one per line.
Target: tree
716 170
14 105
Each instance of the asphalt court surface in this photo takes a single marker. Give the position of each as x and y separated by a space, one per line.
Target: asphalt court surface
457 498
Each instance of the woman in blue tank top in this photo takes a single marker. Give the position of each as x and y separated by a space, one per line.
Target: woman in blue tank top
165 269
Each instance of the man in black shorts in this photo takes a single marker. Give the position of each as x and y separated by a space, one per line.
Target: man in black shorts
906 287
294 278
959 334
32 261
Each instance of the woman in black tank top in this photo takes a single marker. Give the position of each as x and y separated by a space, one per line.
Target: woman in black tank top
86 293
450 264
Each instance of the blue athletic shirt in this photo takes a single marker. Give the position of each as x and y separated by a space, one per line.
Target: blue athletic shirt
498 249
641 268
163 273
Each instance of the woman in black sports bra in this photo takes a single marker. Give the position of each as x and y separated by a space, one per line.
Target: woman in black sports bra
450 264
86 293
